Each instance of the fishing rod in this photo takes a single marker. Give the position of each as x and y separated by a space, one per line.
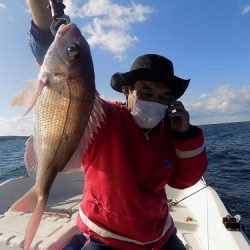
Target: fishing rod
231 223
174 203
58 17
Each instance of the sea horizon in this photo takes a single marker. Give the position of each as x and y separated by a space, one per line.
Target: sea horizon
191 123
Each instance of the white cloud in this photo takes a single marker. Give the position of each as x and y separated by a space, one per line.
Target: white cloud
110 24
2 6
204 95
245 9
225 103
27 11
16 126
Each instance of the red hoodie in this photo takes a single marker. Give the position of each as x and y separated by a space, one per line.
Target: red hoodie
124 201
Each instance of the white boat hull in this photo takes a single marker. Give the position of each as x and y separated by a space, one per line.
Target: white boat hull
198 219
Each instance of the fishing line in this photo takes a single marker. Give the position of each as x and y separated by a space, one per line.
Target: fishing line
174 203
184 198
207 227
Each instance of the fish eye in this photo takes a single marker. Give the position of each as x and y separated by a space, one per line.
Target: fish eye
73 50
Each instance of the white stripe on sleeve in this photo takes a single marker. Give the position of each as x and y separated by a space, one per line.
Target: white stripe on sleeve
190 153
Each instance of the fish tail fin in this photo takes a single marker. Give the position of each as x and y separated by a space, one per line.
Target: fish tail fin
34 222
26 203
30 202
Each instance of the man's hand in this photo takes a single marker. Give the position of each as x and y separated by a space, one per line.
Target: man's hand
179 117
41 14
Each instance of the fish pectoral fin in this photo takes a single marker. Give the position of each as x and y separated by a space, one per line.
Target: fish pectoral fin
28 96
26 203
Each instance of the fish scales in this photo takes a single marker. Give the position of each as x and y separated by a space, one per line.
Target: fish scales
58 140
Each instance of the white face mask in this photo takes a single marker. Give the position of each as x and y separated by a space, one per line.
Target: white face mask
148 114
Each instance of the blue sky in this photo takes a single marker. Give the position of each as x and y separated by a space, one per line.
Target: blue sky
208 42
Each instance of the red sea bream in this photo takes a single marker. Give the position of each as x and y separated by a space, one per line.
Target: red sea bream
67 110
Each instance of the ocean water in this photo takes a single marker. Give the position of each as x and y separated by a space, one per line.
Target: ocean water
11 157
228 149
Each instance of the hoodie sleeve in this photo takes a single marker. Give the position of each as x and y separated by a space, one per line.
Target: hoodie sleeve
191 159
39 42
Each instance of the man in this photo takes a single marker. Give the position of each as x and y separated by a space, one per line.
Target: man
139 149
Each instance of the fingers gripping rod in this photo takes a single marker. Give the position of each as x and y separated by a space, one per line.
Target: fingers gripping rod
58 17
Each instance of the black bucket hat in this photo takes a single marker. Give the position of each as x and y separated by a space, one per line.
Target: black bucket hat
151 67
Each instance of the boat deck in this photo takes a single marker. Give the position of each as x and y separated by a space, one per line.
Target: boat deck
58 222
198 219
187 226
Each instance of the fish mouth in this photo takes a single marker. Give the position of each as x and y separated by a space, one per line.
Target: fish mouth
64 28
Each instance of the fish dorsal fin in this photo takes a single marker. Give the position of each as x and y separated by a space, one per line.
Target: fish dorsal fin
28 96
96 118
30 157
